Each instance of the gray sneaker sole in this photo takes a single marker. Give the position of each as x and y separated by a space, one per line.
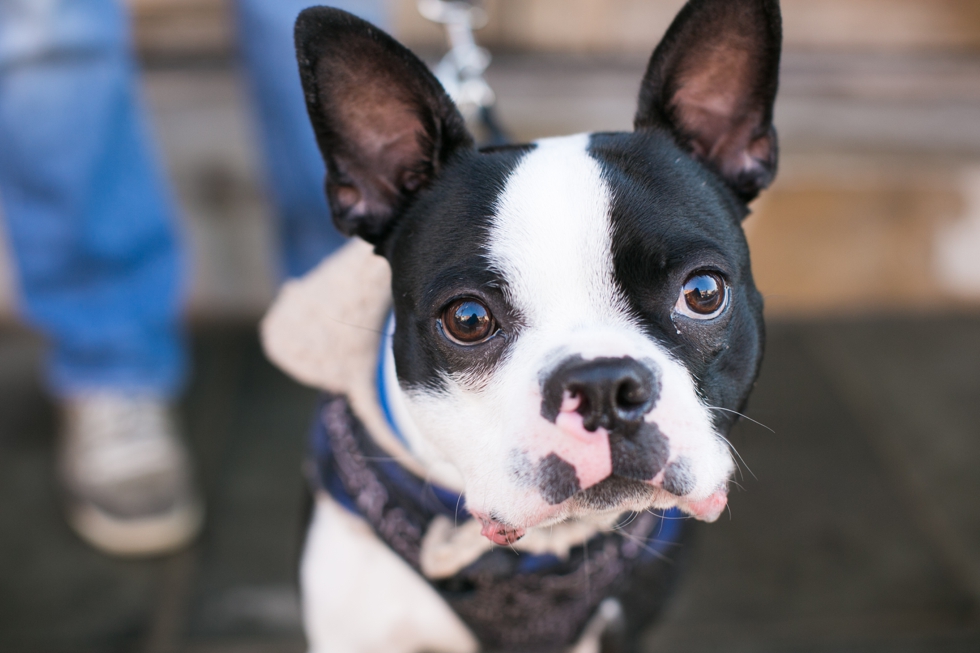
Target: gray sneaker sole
147 536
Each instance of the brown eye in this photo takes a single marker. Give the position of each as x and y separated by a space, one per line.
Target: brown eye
703 295
468 322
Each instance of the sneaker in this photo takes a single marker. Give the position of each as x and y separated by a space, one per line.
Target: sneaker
127 475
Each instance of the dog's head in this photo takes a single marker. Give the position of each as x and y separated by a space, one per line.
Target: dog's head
576 318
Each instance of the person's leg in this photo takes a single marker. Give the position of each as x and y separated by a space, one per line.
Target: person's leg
93 240
294 167
90 223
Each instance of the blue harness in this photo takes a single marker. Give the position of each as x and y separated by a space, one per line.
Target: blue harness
512 601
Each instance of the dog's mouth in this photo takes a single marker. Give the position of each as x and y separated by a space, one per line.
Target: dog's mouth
621 493
614 493
618 493
497 531
611 493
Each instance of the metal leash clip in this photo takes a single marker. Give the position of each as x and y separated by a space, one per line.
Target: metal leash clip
461 70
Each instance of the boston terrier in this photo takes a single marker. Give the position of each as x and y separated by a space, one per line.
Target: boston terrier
532 354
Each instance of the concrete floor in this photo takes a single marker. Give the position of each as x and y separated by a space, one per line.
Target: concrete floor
858 529
234 590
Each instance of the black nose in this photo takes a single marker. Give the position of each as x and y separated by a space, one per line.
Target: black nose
612 392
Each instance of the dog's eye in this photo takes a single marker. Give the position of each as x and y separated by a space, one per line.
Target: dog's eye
468 322
703 296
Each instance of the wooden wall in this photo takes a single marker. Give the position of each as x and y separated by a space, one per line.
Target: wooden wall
610 26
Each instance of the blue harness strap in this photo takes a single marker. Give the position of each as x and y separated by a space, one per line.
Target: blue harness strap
512 601
381 376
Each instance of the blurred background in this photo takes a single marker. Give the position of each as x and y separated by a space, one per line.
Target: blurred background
859 525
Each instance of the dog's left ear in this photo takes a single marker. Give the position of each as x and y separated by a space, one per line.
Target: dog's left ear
384 124
712 83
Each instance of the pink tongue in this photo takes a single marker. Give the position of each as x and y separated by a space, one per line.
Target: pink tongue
498 533
708 509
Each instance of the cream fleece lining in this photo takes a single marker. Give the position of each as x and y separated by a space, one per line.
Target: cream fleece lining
325 328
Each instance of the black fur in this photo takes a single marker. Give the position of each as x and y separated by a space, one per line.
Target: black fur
677 477
556 479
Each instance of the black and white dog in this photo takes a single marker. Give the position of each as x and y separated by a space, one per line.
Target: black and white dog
540 347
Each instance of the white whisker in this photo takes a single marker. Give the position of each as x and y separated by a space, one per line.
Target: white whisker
729 410
726 440
640 543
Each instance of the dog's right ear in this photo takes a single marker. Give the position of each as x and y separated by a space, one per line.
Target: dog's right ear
712 83
384 124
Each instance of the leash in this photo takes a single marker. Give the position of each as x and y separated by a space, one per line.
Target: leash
461 70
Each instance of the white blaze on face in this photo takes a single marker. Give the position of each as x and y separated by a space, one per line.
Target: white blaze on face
551 238
551 241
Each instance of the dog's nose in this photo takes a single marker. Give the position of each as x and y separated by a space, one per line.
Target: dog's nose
606 392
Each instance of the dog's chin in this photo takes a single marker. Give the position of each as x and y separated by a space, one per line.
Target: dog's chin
616 493
601 504
609 498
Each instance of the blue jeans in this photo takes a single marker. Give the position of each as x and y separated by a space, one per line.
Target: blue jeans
89 216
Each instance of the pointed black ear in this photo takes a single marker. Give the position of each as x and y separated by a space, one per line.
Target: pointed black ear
384 124
712 82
